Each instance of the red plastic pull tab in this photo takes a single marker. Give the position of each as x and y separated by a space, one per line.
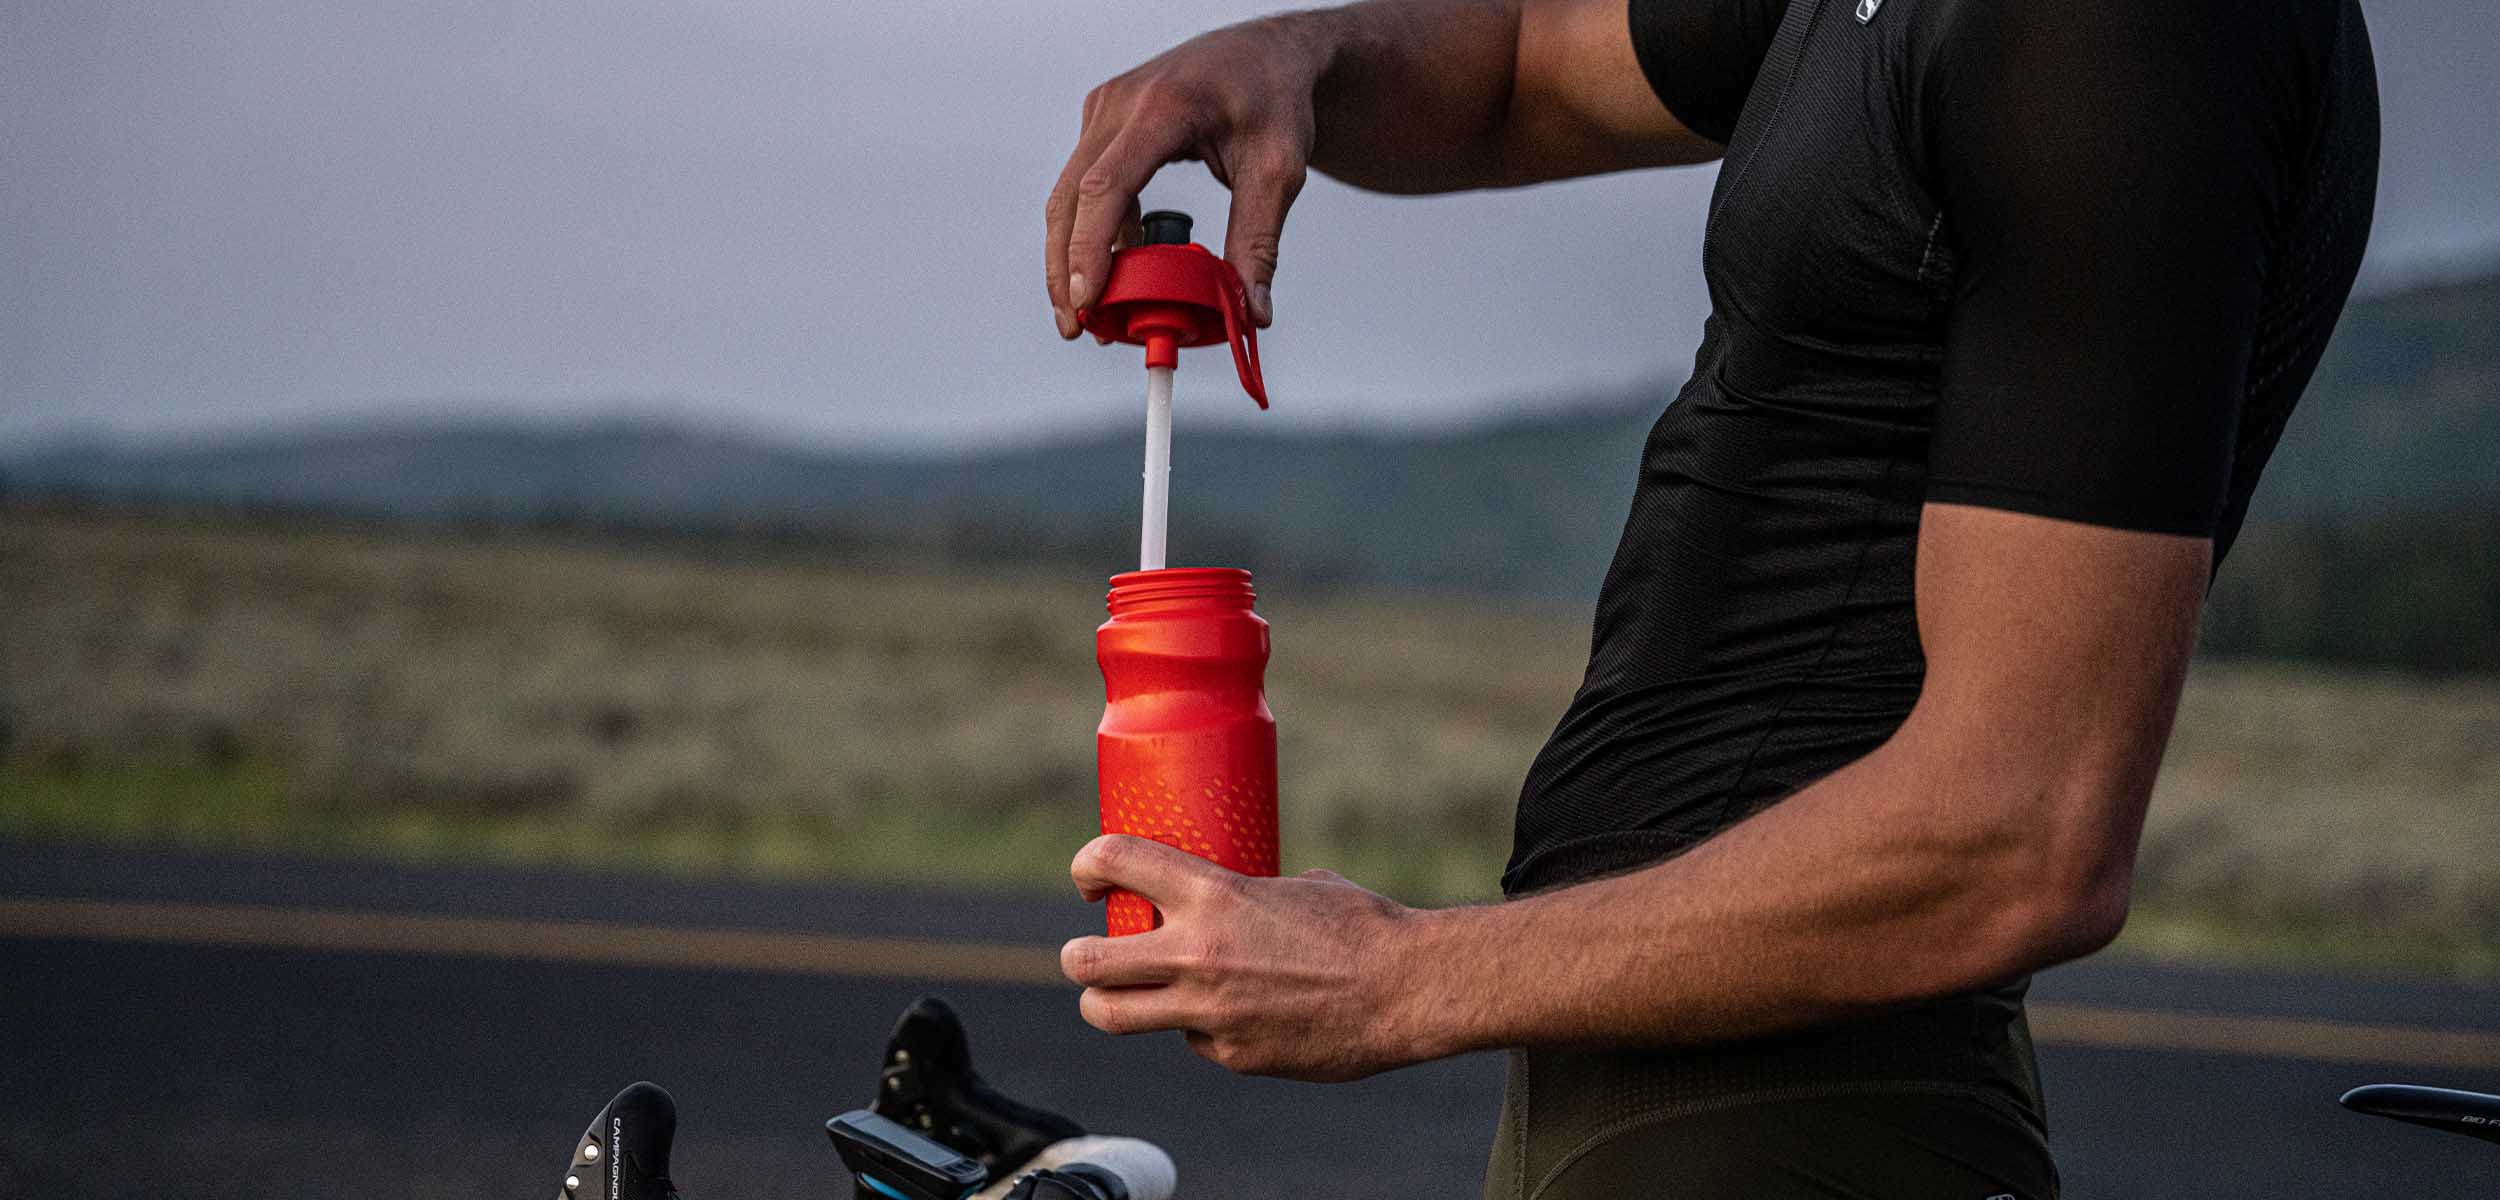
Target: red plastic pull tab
1165 297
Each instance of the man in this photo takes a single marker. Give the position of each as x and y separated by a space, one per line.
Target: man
2010 301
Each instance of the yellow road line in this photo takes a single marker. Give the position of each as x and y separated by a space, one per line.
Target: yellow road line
597 942
792 953
2265 1037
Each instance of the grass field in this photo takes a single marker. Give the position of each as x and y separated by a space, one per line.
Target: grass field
539 697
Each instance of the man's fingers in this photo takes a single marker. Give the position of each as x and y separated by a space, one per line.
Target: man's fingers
1058 217
1133 1010
1106 192
1133 961
1059 211
1172 879
1264 188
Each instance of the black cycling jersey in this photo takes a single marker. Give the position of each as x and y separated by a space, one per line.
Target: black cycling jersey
2074 258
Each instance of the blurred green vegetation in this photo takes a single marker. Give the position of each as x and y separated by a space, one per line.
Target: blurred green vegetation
256 806
177 802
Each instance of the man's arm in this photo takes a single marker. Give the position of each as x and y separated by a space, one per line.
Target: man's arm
1992 835
1403 96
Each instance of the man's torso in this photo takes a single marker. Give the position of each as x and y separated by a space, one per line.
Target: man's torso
1756 629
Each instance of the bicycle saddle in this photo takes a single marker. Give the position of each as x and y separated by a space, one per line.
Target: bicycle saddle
2470 1113
624 1153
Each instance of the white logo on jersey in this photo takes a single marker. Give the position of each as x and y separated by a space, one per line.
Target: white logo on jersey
1866 13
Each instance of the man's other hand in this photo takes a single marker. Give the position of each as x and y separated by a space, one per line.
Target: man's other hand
1301 977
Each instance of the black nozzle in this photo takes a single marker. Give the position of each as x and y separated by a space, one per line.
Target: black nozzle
1166 228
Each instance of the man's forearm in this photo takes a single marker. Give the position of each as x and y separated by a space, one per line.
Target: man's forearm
1993 834
1859 893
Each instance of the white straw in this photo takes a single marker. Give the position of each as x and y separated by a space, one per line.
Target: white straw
1150 541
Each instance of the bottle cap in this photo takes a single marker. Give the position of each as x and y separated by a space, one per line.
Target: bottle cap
1171 292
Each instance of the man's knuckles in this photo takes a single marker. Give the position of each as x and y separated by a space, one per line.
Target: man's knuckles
1154 870
1199 956
1100 183
1084 960
1098 861
1060 208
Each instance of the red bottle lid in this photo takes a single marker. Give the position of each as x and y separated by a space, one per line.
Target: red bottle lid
1172 292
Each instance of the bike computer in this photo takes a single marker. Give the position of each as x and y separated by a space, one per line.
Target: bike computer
893 1162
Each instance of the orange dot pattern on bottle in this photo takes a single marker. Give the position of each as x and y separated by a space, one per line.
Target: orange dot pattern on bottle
1227 822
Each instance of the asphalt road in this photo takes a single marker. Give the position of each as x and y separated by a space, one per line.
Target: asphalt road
191 1025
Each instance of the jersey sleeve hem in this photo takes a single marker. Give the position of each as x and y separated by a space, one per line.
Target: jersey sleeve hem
2010 498
1652 36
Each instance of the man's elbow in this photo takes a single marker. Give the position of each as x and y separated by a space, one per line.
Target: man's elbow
2074 921
2031 893
2009 916
2057 909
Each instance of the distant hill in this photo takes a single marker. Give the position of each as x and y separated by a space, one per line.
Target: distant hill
2404 415
2404 412
1532 506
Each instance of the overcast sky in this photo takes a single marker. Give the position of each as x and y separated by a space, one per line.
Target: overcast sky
820 220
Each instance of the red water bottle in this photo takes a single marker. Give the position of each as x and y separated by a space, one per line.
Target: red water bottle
1186 753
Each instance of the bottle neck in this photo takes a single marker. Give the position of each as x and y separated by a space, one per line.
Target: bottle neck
1180 590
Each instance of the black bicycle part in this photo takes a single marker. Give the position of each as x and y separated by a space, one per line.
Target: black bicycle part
1076 1181
2473 1114
928 1085
624 1153
893 1163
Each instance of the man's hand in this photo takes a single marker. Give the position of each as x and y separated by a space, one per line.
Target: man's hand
1295 977
1405 96
1238 99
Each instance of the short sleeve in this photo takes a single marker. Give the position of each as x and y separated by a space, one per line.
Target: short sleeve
2107 174
1701 56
